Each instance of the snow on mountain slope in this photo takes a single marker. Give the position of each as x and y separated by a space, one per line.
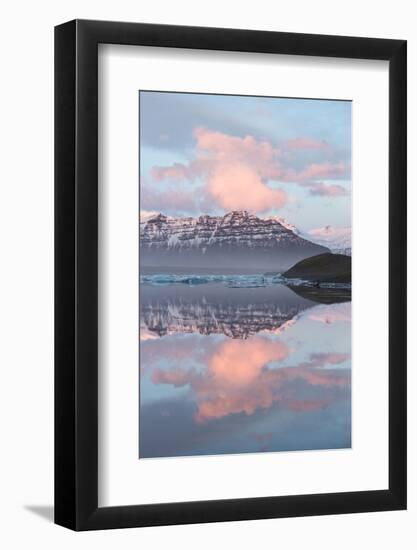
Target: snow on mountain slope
338 239
286 224
146 215
237 239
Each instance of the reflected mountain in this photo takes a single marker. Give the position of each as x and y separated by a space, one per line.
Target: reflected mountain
230 369
322 295
217 309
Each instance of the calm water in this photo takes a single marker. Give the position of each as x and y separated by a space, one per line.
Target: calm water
242 365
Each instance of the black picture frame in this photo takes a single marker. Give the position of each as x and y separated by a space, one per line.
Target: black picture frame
76 272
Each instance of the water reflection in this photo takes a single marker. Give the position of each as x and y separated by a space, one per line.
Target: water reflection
242 370
217 309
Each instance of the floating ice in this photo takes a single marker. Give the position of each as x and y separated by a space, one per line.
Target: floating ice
233 281
169 279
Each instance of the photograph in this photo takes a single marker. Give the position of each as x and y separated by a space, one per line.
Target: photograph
208 331
245 287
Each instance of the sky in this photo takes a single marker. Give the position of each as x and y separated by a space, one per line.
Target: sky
209 154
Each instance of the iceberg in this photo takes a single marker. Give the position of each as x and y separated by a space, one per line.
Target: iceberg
231 281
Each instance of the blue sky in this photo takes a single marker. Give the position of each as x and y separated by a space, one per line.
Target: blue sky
208 154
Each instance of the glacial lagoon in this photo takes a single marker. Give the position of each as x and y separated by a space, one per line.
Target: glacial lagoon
241 364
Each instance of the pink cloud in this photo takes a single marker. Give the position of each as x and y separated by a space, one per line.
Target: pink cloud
239 362
316 171
323 190
235 171
179 198
333 358
325 378
238 186
176 172
306 143
261 156
176 377
321 360
237 378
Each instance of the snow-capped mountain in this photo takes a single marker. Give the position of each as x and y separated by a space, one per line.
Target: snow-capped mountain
338 239
146 215
286 224
237 240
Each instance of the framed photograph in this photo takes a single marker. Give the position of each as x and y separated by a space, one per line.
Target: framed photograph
230 247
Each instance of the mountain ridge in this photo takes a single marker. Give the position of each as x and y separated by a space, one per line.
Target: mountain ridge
236 239
338 240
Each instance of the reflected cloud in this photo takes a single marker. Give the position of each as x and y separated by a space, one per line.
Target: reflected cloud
174 351
332 314
239 363
323 359
240 377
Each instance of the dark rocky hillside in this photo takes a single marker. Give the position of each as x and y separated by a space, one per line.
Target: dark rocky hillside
323 268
